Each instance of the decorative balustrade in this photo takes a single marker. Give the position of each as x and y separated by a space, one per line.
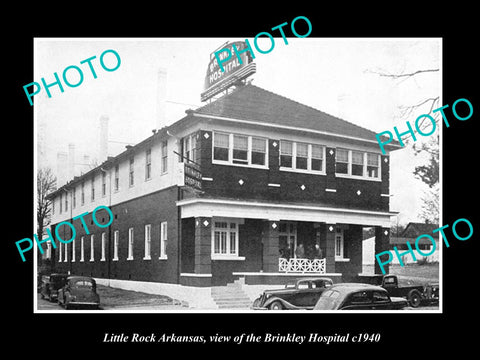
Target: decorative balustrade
301 265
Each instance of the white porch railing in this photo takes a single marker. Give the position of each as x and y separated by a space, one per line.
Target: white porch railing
301 265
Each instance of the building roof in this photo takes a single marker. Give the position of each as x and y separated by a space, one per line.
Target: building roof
415 229
252 103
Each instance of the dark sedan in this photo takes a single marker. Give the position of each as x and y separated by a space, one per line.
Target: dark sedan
358 297
301 295
50 287
79 291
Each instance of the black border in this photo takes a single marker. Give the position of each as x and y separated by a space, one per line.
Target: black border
405 332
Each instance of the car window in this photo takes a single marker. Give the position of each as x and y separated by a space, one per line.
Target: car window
360 297
380 296
303 285
389 280
82 284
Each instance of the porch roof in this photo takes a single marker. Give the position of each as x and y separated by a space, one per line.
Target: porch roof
207 207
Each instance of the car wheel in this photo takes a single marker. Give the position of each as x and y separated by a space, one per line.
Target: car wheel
276 305
414 298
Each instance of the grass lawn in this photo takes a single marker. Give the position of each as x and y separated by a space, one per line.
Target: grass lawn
426 271
118 297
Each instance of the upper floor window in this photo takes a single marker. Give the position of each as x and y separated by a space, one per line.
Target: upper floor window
82 194
74 197
104 183
189 148
358 164
61 202
131 178
148 164
238 149
117 178
164 157
93 188
302 156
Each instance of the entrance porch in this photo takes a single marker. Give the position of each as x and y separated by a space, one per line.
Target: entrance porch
238 242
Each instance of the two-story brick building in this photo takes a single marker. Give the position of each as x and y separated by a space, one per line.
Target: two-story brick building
286 191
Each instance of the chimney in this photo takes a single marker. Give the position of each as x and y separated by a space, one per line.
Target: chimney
86 164
103 153
62 168
161 98
71 161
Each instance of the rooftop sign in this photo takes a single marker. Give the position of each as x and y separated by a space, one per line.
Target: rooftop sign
233 69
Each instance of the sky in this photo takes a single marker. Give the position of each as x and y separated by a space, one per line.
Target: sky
336 75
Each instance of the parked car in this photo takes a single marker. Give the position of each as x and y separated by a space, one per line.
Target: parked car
50 286
416 294
79 290
303 294
355 296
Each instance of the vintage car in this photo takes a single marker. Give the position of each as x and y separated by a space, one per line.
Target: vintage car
51 285
355 296
79 291
303 294
416 294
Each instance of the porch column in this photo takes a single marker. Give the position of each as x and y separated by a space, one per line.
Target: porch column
330 248
203 245
382 243
270 254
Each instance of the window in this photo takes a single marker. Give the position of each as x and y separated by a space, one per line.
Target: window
240 149
373 162
164 157
82 194
225 239
148 164
81 250
163 240
339 243
66 201
93 188
221 145
74 197
357 164
316 161
53 206
259 150
341 164
117 178
131 172
61 202
189 148
73 250
286 154
148 233
130 244
380 296
103 246
65 259
115 245
92 241
104 183
301 156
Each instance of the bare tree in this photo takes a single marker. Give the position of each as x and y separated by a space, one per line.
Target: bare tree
428 173
46 183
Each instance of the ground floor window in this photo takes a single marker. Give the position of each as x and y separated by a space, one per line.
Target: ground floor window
225 239
339 243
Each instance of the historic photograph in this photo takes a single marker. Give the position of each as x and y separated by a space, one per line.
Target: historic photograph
238 175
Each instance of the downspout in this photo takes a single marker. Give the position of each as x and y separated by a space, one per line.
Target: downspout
109 258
